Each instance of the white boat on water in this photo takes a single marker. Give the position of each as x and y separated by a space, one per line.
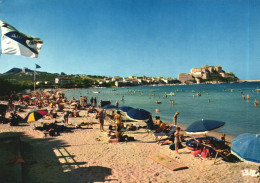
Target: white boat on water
171 94
96 92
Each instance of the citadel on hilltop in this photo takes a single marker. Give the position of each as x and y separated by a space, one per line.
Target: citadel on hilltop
207 74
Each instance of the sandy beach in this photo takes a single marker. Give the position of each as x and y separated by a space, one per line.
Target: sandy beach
84 155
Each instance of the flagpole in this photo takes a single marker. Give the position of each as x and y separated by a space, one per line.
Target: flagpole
34 82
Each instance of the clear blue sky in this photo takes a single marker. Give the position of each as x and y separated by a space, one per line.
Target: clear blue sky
136 37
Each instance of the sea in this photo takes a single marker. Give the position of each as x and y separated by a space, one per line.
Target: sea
223 102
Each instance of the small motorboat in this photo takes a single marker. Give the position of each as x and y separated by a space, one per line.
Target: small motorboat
158 102
96 92
171 94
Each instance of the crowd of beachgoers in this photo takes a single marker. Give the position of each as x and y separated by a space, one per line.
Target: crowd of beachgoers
119 146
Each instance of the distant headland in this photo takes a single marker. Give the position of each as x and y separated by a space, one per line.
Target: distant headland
17 78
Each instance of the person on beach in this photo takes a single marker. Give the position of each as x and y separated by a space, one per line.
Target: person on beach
81 101
157 122
118 119
95 101
66 117
223 137
175 118
91 101
177 139
168 141
119 135
112 115
117 104
100 117
110 131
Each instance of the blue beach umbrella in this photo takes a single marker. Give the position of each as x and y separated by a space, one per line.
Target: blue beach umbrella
203 126
109 107
138 114
125 108
247 147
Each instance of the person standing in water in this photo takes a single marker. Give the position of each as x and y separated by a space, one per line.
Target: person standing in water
256 102
175 118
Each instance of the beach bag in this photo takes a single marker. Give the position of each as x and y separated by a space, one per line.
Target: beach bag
52 132
172 146
205 153
130 138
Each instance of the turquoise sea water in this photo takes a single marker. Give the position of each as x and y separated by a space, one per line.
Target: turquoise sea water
226 103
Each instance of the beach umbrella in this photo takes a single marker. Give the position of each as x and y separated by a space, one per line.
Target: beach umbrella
74 103
203 126
34 98
125 108
247 147
109 107
138 114
35 115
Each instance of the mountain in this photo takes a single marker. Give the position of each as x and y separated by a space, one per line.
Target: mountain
18 70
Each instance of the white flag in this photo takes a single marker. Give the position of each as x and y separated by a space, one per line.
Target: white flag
17 43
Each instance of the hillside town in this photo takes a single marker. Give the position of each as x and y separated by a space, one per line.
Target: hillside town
198 75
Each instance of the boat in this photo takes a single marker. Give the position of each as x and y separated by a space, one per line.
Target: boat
158 102
96 92
195 144
171 94
114 90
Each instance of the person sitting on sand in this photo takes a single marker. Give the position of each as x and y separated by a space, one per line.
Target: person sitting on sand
168 141
157 122
177 139
110 132
119 135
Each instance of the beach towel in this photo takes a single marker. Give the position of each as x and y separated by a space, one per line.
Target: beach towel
113 141
167 162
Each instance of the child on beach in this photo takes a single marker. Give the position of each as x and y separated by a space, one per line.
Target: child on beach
177 139
66 117
100 117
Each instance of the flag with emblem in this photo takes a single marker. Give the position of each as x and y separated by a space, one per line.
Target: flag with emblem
14 42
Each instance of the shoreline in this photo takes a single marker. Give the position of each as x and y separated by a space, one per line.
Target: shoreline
97 160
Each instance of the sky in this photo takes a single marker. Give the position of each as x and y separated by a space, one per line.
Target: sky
137 37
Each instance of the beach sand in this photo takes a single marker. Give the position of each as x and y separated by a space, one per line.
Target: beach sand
84 155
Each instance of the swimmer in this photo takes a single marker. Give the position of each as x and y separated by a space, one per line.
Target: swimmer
248 97
209 100
244 97
256 102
